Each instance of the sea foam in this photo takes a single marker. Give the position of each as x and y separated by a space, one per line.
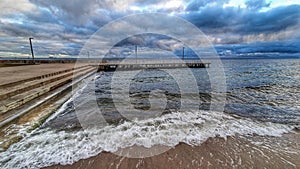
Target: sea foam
45 147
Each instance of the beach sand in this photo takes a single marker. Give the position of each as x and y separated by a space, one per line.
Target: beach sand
234 152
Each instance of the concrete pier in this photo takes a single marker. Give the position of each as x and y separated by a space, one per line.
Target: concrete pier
15 74
22 87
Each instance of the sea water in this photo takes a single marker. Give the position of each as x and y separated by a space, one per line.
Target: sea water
261 97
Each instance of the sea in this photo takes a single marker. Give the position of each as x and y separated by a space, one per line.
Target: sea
150 107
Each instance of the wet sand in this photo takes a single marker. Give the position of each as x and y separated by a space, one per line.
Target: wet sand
234 152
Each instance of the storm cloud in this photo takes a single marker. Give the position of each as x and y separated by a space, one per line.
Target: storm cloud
237 23
62 27
256 4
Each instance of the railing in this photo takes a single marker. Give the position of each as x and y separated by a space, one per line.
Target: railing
150 64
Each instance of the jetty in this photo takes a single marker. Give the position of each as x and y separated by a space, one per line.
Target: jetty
150 64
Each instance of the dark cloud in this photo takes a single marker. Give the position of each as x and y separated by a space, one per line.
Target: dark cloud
83 13
257 4
275 20
239 21
214 17
61 26
150 40
76 11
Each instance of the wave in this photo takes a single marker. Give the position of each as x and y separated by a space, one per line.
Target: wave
46 147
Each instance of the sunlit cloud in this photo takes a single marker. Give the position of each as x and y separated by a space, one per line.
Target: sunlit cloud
9 7
170 6
278 3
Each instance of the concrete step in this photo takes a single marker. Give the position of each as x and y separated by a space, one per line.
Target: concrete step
22 98
16 89
18 82
37 103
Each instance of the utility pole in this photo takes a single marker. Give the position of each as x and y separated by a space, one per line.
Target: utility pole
182 53
88 54
135 54
31 49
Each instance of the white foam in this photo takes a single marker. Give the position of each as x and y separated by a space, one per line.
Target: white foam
45 147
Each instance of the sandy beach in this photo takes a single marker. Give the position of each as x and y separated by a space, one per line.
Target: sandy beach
234 152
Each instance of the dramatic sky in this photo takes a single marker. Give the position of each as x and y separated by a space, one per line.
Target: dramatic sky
61 27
